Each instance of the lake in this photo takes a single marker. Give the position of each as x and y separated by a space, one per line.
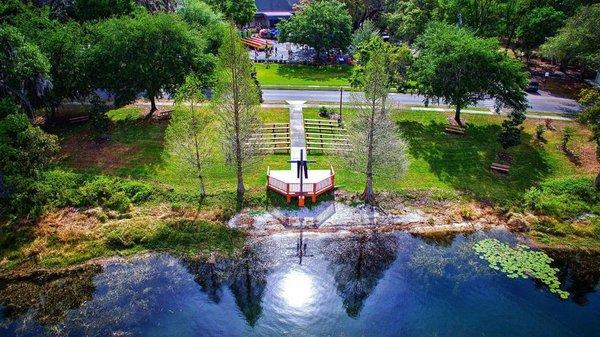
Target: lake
392 284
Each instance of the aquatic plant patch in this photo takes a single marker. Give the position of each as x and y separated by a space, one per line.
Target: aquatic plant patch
520 261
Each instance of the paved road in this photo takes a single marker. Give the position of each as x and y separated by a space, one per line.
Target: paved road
536 102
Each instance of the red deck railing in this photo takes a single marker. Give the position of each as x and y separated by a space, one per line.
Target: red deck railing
312 190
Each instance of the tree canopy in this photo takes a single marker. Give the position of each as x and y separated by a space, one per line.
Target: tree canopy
241 12
23 69
322 24
578 40
147 54
461 69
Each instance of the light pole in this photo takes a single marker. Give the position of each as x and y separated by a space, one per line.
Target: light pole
341 96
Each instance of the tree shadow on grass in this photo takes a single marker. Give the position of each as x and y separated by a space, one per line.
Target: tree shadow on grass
464 161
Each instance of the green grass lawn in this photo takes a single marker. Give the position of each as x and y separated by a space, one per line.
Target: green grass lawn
437 160
285 75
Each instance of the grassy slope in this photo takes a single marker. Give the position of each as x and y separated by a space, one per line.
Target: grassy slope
438 160
302 75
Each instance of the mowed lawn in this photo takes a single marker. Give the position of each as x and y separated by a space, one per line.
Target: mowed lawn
437 160
285 75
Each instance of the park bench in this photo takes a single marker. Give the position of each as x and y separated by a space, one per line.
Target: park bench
501 168
80 119
454 129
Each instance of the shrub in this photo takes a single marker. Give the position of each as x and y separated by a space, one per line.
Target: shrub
118 201
567 134
539 132
564 198
58 188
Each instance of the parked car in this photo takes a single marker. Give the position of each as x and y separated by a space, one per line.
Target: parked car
533 87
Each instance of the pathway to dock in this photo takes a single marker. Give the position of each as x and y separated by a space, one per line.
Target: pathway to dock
297 133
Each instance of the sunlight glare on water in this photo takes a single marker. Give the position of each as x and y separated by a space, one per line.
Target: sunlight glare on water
297 289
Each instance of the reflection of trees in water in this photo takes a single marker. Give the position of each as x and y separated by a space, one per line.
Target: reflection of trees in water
437 257
246 277
48 296
210 276
247 282
358 263
579 272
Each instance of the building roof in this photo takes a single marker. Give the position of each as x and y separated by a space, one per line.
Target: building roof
275 5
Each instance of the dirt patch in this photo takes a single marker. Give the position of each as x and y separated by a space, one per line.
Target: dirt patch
82 151
587 158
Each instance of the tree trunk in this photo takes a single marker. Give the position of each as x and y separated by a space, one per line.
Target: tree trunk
457 115
152 106
368 195
240 180
597 182
202 188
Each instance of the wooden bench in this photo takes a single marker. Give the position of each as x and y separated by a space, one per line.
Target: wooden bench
80 119
501 168
454 129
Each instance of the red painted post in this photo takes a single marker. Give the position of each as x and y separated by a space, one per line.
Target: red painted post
288 197
314 195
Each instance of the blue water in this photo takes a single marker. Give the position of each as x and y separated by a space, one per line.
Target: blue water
343 285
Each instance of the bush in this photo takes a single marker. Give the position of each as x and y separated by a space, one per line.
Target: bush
564 198
118 201
539 132
58 188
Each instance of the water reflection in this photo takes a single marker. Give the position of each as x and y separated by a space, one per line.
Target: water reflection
579 273
365 285
48 296
358 263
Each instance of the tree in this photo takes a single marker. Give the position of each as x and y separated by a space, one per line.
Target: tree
322 24
148 54
98 118
205 20
23 69
363 34
537 25
408 19
590 115
25 150
188 134
241 12
374 140
578 40
362 10
86 10
482 17
461 69
236 99
511 130
398 59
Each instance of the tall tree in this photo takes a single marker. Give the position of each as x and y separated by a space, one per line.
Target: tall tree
188 134
538 25
362 10
102 9
461 69
23 69
374 138
206 21
590 115
578 40
148 54
408 19
236 100
321 24
241 12
398 59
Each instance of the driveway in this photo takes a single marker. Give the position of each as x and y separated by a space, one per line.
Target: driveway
536 102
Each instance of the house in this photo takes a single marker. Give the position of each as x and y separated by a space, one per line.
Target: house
270 12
